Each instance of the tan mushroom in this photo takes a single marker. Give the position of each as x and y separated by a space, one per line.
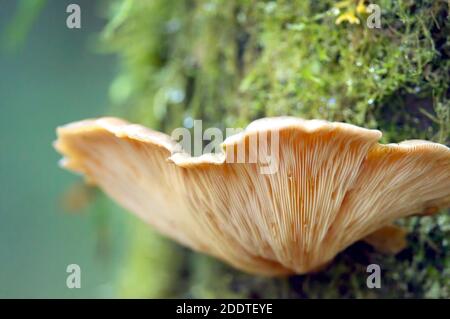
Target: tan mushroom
334 185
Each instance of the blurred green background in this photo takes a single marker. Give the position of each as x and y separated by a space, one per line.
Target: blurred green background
52 77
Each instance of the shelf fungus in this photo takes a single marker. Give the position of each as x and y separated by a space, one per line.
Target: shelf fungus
334 185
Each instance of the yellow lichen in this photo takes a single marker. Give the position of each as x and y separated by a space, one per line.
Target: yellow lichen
351 10
348 16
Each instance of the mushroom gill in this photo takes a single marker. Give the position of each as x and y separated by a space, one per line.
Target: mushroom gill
334 185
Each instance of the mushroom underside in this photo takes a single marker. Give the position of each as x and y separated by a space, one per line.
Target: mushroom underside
334 185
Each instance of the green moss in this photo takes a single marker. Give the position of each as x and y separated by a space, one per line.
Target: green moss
153 266
229 62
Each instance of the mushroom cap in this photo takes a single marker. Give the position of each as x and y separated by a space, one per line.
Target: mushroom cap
334 185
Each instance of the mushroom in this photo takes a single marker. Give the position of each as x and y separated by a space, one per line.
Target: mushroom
334 185
390 239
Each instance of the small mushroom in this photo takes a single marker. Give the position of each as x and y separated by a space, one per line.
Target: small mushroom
334 185
390 239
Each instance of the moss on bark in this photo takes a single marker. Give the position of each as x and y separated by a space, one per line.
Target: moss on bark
229 62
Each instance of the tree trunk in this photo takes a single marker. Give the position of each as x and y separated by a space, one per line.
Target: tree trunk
230 62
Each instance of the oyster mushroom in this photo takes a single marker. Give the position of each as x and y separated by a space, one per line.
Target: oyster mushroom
334 185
